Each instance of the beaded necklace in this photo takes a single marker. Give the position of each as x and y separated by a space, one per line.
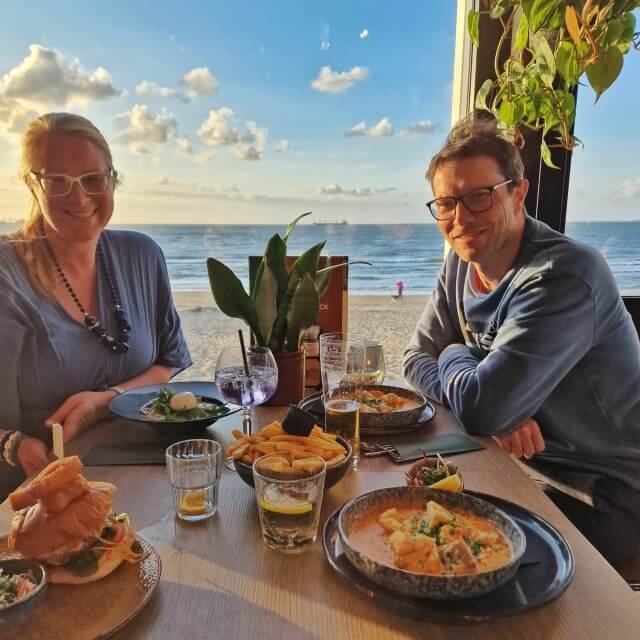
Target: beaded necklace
121 345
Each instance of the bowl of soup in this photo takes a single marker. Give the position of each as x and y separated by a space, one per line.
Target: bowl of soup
387 406
429 543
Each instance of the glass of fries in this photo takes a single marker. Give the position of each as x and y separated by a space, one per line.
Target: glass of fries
289 495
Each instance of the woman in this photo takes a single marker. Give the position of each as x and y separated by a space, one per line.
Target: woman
85 313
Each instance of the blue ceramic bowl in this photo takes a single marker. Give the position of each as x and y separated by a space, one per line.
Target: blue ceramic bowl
129 404
16 614
422 585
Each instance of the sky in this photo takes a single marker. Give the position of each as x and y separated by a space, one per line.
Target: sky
254 112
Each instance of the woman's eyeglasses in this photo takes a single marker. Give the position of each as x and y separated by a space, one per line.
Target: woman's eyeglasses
476 201
58 184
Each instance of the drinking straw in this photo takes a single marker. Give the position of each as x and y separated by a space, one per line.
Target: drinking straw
246 366
244 353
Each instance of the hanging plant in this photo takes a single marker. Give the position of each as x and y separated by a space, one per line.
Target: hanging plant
552 46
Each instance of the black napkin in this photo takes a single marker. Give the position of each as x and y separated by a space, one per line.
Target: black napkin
126 454
411 448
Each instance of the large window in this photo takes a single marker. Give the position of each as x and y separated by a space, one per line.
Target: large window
604 192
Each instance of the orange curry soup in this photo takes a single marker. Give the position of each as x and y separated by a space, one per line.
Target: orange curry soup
433 540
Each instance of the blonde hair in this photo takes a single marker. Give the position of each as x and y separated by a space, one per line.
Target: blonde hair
28 238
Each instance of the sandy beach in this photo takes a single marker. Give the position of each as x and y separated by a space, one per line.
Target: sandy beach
380 318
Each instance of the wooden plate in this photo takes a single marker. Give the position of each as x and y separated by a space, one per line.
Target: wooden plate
97 609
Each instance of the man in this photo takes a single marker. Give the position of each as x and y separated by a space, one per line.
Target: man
526 339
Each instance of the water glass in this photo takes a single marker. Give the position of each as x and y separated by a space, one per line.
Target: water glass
374 366
342 372
289 502
194 468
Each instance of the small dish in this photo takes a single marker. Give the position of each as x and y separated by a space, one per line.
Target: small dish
335 473
129 405
16 614
421 585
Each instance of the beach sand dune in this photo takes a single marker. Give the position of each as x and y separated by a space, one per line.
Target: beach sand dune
379 318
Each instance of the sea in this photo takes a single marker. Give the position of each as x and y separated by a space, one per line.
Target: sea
412 253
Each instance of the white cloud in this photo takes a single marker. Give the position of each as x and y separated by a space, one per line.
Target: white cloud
200 81
628 189
151 88
381 130
359 130
281 146
43 80
183 147
141 127
339 81
218 130
336 189
419 128
252 142
364 33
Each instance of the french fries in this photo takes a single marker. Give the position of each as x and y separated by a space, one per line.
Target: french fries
295 450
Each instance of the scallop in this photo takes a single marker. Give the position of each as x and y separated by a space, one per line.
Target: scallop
183 401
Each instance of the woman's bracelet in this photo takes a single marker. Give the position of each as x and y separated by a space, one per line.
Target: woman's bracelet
9 445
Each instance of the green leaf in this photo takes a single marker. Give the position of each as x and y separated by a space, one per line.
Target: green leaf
546 14
280 326
303 311
473 25
275 255
292 224
230 296
498 7
308 261
266 304
522 35
544 60
615 29
483 94
546 155
326 271
507 111
603 72
567 63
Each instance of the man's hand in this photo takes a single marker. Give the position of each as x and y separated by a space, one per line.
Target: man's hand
79 411
33 455
526 440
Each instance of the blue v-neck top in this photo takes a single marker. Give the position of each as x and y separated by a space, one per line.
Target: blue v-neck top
46 356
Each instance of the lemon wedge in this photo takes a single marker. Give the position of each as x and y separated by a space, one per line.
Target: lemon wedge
193 503
287 509
450 483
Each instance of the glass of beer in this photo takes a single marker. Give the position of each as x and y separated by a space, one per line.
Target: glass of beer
374 366
342 371
289 495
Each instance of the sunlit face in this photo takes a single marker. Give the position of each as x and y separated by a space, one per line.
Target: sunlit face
481 238
77 216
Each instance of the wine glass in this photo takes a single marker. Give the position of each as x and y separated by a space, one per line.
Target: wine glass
247 391
374 366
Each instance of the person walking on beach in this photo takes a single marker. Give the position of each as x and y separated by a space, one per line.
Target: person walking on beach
399 290
526 339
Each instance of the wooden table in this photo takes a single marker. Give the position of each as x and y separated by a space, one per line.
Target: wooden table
220 581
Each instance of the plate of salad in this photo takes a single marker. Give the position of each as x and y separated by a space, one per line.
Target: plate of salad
180 404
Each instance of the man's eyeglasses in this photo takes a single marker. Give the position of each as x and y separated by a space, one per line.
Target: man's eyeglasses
476 201
58 184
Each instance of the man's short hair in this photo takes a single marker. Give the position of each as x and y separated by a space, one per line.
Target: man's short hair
478 135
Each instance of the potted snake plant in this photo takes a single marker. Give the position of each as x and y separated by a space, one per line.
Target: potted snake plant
282 303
